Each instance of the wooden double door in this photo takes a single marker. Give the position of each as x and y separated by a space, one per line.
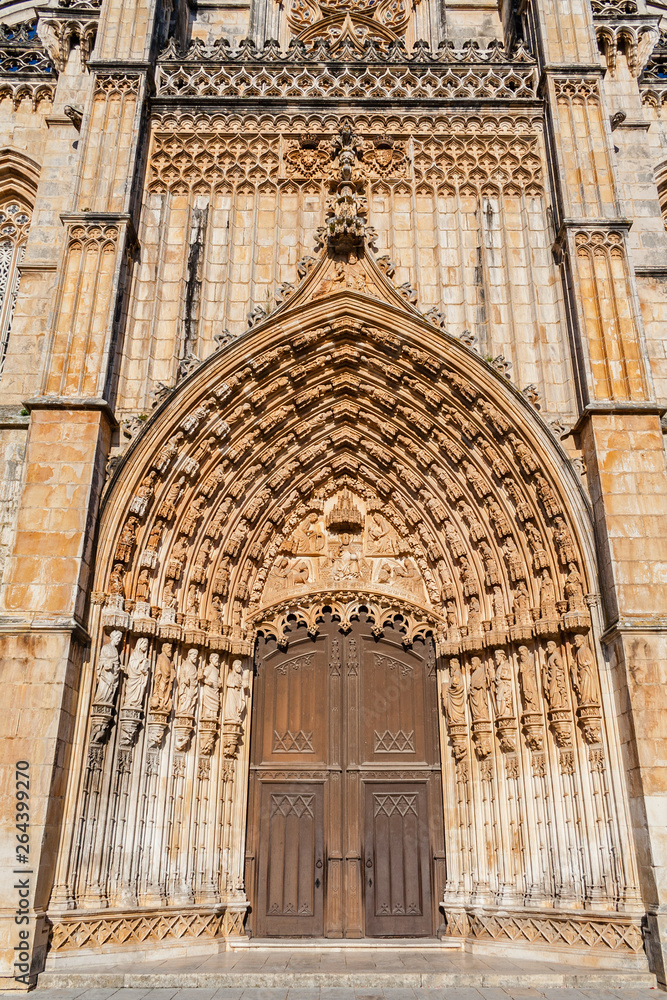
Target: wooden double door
345 820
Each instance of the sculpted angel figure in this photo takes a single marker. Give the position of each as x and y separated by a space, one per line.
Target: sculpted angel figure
528 681
136 675
108 670
236 694
210 676
584 679
453 695
187 685
163 680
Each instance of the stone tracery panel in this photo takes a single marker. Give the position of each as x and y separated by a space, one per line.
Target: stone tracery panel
470 184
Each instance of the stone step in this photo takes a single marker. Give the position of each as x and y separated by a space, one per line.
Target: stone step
283 978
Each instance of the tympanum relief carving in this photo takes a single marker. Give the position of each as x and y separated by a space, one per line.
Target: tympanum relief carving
348 545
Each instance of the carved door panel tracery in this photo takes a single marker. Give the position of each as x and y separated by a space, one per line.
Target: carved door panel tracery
348 721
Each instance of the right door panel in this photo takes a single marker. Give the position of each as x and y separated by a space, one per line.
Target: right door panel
397 863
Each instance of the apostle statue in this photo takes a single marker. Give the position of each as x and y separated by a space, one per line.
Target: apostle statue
584 675
528 681
108 670
188 685
163 681
236 693
453 695
209 675
479 681
136 675
553 678
503 685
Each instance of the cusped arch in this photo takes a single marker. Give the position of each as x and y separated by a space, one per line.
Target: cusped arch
344 391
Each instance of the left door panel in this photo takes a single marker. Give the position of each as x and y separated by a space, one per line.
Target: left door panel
291 860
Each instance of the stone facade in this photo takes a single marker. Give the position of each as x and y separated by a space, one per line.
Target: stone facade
322 308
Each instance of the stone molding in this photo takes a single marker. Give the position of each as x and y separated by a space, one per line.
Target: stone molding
597 932
132 927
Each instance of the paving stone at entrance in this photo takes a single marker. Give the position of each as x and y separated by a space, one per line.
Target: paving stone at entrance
348 993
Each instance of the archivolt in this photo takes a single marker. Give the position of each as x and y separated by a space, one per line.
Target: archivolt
348 394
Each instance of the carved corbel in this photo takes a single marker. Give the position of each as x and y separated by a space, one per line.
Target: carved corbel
101 718
157 727
183 729
481 735
531 723
129 723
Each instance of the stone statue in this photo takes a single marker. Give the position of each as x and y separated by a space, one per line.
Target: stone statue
177 557
528 681
187 685
163 680
192 601
236 694
142 592
210 676
563 542
468 578
479 706
474 622
108 670
521 603
117 581
573 589
490 564
514 561
584 675
455 544
503 685
168 595
547 593
137 675
309 536
540 557
127 539
553 679
453 695
155 536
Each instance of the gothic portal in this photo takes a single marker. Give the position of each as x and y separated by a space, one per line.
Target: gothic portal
345 727
333 545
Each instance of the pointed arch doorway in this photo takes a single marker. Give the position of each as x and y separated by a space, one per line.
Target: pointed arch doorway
345 819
